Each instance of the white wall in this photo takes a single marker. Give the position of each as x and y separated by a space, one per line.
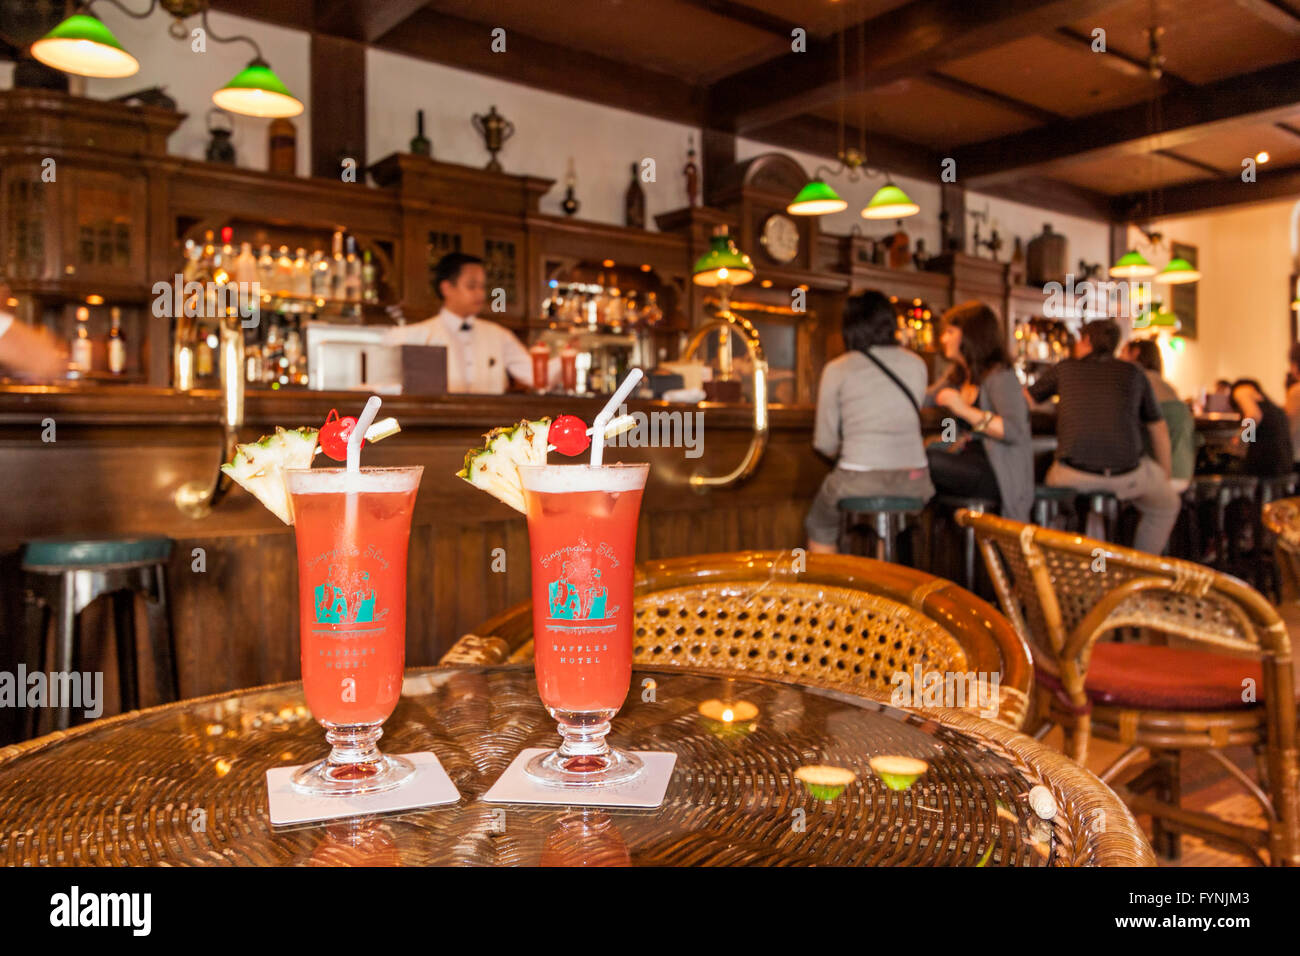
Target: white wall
1086 239
1245 259
6 76
191 78
549 128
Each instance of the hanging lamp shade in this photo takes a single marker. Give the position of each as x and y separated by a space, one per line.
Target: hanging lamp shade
1158 317
723 263
890 202
83 45
1132 265
1177 272
257 91
816 199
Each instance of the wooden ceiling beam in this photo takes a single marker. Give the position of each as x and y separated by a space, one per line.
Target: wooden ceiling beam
1265 96
907 41
366 22
812 134
991 97
1274 14
749 16
466 45
1282 183
1188 161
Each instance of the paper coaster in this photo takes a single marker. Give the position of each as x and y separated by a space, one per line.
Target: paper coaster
428 787
646 790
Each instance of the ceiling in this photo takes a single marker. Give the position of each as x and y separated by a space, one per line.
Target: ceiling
1011 89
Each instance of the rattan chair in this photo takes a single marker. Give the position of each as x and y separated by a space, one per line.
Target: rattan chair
831 620
1282 520
1063 592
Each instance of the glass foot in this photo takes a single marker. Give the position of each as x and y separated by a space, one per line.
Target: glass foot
584 770
354 765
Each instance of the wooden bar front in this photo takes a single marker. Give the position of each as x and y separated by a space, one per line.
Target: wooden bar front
107 461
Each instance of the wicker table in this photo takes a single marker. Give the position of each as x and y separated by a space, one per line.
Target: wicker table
185 784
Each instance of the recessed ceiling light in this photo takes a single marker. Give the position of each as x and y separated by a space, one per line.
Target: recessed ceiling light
1262 156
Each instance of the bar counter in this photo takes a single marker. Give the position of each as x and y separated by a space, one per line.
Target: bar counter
91 460
105 460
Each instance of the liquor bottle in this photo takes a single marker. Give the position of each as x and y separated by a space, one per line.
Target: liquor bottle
246 265
282 148
284 272
116 343
338 267
80 361
420 145
320 275
225 262
192 252
352 273
266 269
369 293
209 255
301 274
634 202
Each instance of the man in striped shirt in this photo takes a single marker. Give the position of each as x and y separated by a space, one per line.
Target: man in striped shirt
1105 406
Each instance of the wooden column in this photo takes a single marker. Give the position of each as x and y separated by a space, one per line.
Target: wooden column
718 154
952 207
338 105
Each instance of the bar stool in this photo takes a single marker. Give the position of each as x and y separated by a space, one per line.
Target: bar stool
1219 492
1099 514
69 574
1049 500
886 517
952 504
1267 577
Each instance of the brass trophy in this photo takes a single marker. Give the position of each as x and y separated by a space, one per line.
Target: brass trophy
495 130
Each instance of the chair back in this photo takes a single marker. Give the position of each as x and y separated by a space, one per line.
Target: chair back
831 620
1282 520
1062 591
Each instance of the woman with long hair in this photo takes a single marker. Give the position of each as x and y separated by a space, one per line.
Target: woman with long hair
991 455
868 418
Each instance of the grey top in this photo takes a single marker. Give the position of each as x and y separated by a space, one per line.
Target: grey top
1012 455
863 418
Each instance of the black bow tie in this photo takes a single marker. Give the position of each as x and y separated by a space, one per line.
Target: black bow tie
465 327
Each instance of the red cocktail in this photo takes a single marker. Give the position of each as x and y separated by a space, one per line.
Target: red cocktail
582 534
352 533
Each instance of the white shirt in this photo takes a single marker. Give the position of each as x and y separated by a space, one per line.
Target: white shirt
478 357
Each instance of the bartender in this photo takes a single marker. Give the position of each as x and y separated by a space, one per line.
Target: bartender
480 353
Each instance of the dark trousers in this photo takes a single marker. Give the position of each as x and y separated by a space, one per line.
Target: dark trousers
965 474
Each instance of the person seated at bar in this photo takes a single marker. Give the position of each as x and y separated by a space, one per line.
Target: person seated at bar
1105 405
1293 402
1219 401
480 353
994 458
1145 353
1264 442
868 418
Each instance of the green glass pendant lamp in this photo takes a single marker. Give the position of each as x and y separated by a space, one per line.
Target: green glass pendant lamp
1132 265
723 264
816 199
1178 272
84 46
890 202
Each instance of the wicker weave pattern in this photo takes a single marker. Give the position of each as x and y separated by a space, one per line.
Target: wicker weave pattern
125 790
840 622
1063 592
807 632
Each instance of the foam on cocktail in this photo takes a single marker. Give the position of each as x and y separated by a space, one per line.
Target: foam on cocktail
606 413
336 481
567 479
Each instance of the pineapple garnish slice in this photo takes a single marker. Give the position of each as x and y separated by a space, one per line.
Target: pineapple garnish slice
259 467
494 466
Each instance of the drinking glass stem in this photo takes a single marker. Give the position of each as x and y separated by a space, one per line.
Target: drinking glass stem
583 733
354 745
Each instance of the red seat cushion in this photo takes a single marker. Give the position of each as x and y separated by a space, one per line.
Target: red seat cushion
1165 678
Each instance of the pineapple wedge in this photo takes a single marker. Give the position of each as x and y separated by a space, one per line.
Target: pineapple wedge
494 467
258 467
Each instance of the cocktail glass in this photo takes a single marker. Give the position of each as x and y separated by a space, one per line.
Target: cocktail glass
582 533
352 533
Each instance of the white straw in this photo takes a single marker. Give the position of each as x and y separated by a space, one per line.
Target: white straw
606 413
359 433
